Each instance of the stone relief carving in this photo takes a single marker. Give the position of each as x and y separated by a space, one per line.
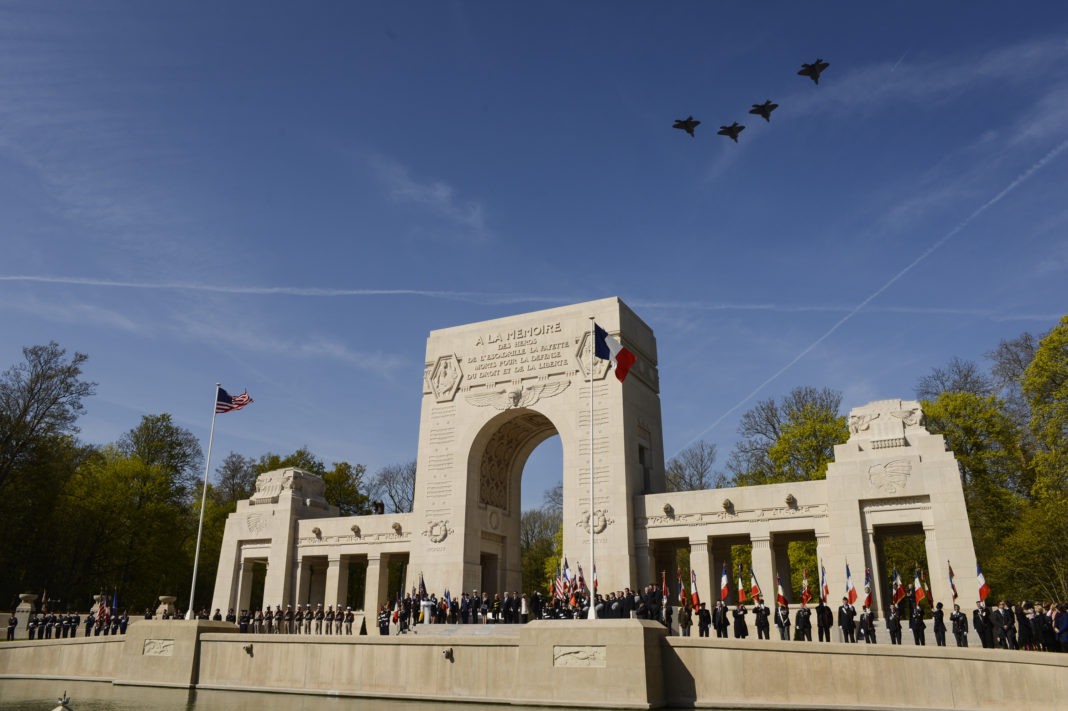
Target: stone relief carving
884 422
588 656
355 530
270 485
437 531
600 521
396 526
158 648
862 422
317 532
517 394
255 523
898 504
444 378
733 514
910 417
582 357
890 476
497 460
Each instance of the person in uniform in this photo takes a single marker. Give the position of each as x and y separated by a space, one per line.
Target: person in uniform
867 625
917 625
704 620
148 613
741 630
231 617
76 622
763 625
959 623
298 619
268 619
383 621
721 619
685 620
12 623
940 625
339 620
782 621
846 615
350 617
328 620
242 622
824 621
290 618
217 617
803 623
90 621
893 625
259 622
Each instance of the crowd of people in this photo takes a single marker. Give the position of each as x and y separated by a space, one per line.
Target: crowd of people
1027 625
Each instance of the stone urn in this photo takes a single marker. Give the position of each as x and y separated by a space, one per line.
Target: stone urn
22 614
166 604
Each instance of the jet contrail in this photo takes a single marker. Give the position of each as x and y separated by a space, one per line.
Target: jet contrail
1020 179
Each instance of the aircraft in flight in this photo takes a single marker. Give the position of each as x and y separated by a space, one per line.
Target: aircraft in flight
687 124
764 109
813 71
731 131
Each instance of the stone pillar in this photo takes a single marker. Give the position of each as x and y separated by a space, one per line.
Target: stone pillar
877 575
22 614
244 585
374 590
337 580
644 559
763 566
302 575
823 545
937 572
721 556
701 564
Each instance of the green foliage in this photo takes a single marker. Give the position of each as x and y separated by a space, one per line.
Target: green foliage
806 444
344 482
1045 385
157 441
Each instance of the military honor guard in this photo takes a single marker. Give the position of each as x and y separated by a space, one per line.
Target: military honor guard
939 625
917 625
959 623
803 623
846 620
782 621
893 625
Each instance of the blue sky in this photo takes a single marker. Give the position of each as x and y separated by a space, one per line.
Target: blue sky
287 197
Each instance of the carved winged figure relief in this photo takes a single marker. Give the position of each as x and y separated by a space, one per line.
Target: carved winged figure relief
860 423
910 417
517 395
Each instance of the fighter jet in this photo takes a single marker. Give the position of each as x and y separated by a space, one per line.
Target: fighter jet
764 109
731 131
813 71
687 124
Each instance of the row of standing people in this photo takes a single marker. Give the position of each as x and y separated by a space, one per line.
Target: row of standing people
48 625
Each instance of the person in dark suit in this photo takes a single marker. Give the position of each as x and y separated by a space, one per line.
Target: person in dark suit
846 616
762 613
959 622
867 625
983 625
803 623
741 630
704 621
1004 620
917 625
782 621
721 619
893 625
939 625
12 623
824 621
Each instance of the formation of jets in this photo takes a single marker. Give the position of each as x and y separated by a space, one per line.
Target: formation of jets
812 71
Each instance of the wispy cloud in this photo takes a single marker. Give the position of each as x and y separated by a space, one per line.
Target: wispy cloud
505 298
1017 182
436 197
80 313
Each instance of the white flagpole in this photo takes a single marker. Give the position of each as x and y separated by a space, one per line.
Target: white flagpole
203 501
593 561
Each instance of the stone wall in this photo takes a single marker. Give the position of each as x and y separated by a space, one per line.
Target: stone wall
88 658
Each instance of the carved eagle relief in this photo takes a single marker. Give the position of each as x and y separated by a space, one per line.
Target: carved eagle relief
516 394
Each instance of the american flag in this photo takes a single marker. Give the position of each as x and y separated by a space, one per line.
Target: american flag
225 402
102 608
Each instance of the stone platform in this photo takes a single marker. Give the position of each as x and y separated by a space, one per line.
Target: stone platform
599 664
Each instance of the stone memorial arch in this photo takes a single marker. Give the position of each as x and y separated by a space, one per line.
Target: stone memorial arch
493 391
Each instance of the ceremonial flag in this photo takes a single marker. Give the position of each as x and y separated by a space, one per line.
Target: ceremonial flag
682 591
581 577
741 589
102 608
867 588
663 588
225 402
569 580
918 592
608 348
825 590
851 592
806 594
446 599
754 588
558 584
724 584
780 596
984 589
897 588
694 598
422 587
952 585
115 601
926 587
594 578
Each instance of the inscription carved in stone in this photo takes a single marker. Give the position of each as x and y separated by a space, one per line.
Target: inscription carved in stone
589 656
158 648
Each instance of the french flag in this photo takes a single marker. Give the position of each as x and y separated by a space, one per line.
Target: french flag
780 596
724 585
608 348
984 589
851 592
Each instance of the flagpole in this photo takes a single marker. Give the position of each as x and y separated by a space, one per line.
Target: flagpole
593 562
203 501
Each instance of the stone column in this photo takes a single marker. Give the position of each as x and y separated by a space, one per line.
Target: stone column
938 572
721 556
337 580
823 545
763 566
877 575
374 590
301 582
244 585
701 564
644 559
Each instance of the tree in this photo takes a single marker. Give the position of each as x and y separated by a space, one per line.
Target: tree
39 399
157 441
1009 361
344 483
691 469
1045 384
301 459
791 441
237 479
395 484
959 376
553 499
